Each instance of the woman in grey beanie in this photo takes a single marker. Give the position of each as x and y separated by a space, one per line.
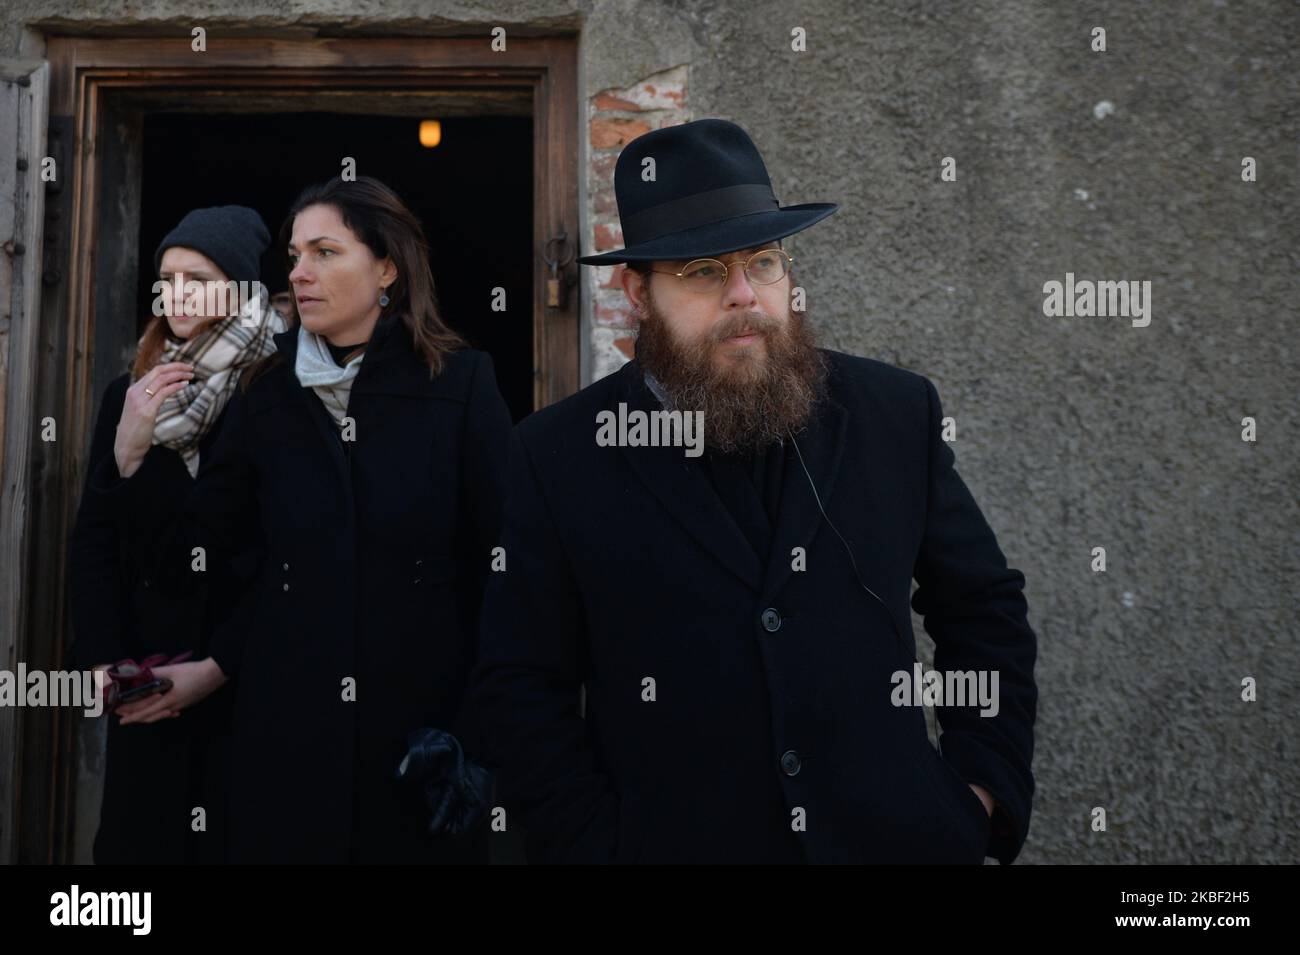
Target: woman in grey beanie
163 799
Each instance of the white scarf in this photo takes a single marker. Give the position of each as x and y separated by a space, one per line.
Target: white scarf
315 369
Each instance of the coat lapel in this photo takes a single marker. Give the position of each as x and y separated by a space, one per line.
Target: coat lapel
683 488
392 365
287 343
821 443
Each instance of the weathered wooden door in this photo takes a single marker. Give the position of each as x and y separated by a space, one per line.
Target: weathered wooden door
23 104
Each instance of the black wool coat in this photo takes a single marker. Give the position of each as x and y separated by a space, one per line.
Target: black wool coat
768 733
155 774
375 553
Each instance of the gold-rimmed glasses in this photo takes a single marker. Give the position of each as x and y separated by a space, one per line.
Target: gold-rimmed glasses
764 267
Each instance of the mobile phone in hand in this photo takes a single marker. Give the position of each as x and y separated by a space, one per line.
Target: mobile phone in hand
159 685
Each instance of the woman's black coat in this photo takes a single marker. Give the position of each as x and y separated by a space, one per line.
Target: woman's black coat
375 555
155 774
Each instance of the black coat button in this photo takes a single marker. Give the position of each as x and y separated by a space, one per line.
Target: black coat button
790 762
771 620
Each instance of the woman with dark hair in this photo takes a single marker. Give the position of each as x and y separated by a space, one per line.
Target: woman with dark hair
367 457
172 404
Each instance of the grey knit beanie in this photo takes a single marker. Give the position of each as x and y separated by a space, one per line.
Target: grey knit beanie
234 237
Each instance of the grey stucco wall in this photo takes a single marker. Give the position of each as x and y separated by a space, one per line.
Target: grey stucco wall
1072 432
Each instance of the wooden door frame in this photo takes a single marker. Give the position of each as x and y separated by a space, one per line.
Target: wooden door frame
86 74
84 70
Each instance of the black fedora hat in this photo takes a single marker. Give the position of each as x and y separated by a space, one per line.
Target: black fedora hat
710 194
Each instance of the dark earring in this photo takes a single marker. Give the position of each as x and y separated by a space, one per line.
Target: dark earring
383 298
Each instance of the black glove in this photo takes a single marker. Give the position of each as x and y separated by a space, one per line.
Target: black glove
456 790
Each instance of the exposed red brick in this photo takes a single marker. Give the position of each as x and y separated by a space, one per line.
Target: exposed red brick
608 237
603 203
610 101
611 317
608 133
615 277
602 166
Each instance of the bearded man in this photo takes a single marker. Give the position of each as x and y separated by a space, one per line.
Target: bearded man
701 658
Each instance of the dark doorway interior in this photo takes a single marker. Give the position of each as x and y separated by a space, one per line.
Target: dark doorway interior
473 193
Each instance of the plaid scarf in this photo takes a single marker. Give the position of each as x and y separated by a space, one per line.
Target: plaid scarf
219 354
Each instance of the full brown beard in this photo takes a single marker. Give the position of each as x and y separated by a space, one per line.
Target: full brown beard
749 399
